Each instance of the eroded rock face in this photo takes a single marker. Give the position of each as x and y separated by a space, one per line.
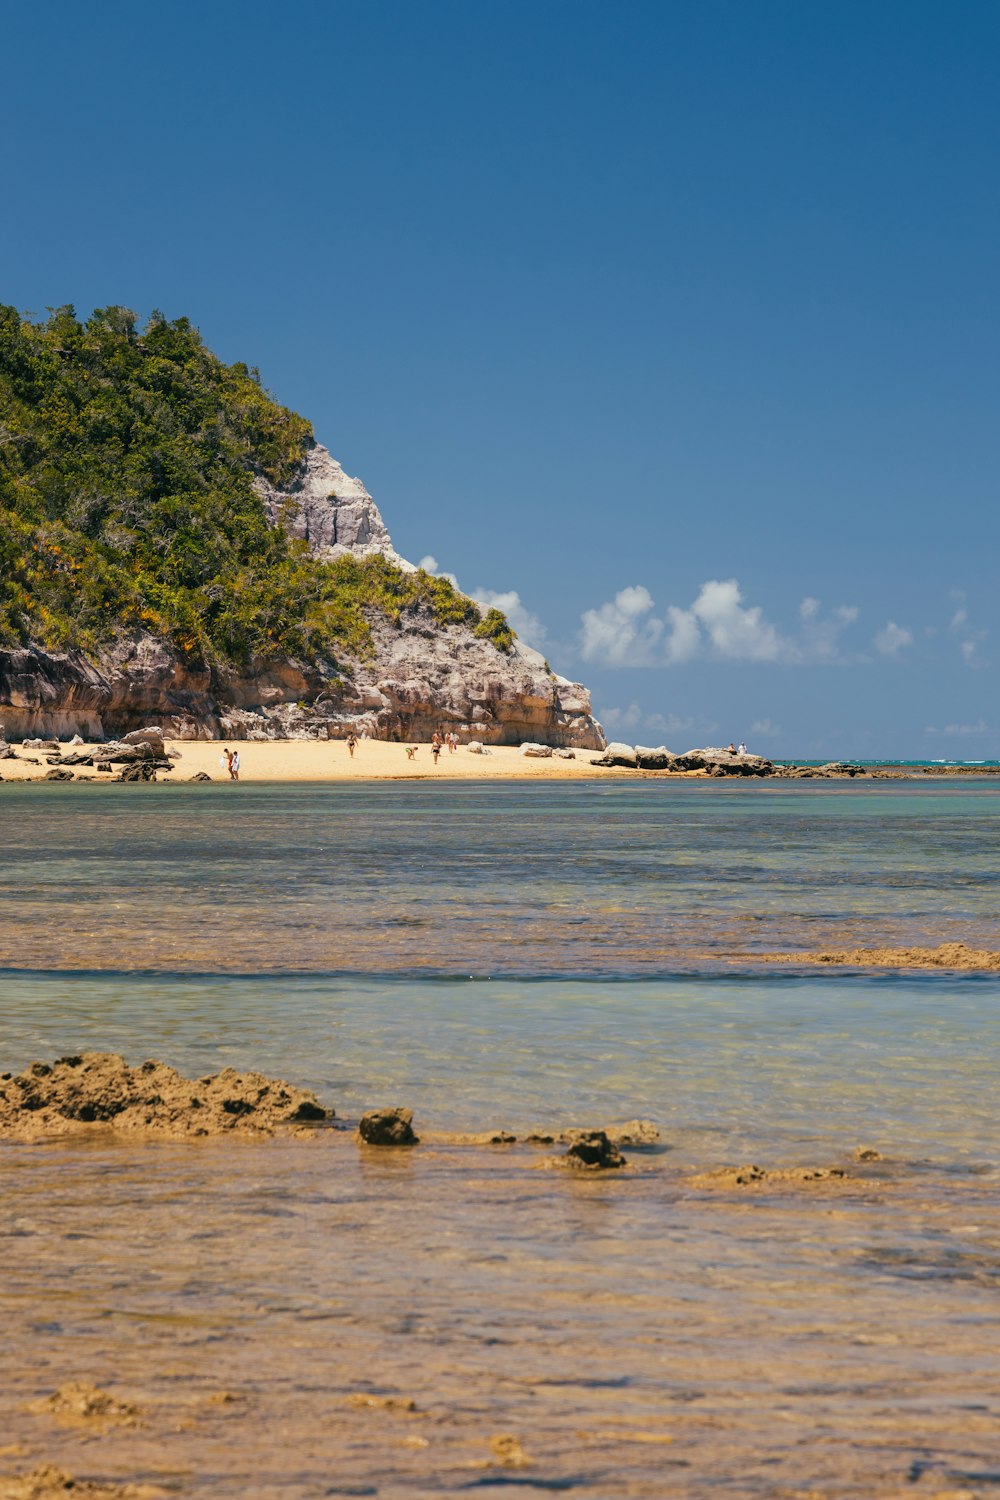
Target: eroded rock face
420 676
329 510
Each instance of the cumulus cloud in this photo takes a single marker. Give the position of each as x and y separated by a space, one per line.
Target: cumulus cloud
628 720
621 719
430 565
528 626
617 633
964 731
672 724
626 632
764 729
735 631
961 625
892 639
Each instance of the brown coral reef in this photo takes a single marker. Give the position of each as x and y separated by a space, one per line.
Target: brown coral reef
944 956
99 1088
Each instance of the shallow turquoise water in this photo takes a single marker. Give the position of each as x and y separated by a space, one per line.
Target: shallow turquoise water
722 1064
636 878
516 955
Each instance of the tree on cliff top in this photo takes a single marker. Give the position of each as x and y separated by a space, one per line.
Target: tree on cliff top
127 459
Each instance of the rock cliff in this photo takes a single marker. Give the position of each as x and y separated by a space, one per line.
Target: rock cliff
419 674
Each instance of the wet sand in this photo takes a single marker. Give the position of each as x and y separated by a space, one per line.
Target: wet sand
301 1318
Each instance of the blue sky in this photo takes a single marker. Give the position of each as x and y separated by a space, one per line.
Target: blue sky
678 322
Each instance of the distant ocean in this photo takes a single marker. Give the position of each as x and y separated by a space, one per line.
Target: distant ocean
916 765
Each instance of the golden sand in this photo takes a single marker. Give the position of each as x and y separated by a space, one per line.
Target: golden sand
330 760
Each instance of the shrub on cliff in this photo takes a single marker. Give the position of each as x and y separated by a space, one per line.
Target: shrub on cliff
127 460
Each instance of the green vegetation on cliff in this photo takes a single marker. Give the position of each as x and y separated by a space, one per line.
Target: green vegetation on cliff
127 460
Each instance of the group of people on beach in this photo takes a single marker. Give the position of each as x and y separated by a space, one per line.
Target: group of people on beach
231 761
440 739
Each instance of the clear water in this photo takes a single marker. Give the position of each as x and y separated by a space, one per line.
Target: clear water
512 956
586 878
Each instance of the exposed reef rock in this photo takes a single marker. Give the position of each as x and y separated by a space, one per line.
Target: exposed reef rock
50 1483
418 676
593 1149
81 1403
715 762
99 1088
388 1127
945 956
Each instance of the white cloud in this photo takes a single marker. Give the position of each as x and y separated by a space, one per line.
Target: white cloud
430 565
628 720
617 633
683 634
764 729
961 624
672 724
734 631
528 626
820 640
626 632
892 638
964 731
620 719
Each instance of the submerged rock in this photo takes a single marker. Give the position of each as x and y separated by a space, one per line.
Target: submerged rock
593 1149
50 1483
83 1402
388 1127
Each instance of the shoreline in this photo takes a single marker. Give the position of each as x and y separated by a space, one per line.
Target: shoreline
330 761
319 761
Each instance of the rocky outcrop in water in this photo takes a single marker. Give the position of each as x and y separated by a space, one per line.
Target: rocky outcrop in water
99 1088
715 762
420 675
388 1127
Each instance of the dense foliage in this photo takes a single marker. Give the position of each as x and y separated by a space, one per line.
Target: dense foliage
126 500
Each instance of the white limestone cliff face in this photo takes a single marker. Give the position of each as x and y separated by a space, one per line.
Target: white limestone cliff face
426 675
329 510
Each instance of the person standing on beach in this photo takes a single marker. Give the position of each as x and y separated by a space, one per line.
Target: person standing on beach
227 761
234 766
436 746
351 743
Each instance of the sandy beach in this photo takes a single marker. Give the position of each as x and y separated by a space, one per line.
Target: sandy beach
330 760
